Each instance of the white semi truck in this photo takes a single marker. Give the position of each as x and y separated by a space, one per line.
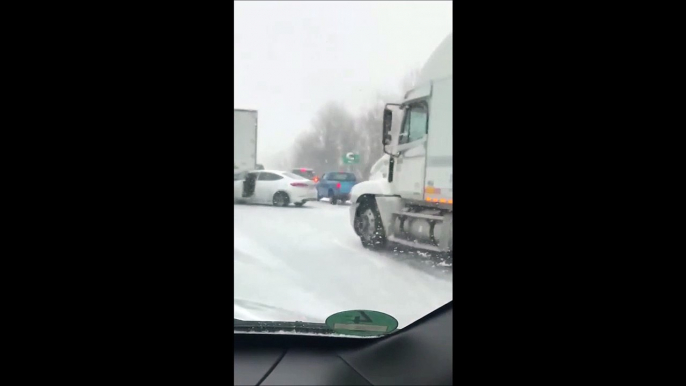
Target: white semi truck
244 140
413 204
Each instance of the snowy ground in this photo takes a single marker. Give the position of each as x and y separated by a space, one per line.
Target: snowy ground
307 263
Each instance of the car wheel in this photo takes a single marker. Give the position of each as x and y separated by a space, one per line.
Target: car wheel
280 199
369 227
334 201
299 204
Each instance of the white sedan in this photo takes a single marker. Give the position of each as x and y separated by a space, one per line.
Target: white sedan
272 187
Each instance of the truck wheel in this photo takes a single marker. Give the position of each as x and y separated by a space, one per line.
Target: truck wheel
280 199
369 227
334 200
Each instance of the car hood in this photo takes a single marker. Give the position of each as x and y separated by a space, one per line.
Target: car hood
244 309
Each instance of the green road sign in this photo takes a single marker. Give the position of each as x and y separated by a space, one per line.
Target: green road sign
362 322
351 158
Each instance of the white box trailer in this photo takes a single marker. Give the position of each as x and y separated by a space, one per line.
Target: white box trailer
244 140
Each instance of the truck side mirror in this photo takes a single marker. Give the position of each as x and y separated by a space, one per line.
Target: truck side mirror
387 122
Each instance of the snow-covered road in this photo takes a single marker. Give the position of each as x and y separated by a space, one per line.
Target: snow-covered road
307 263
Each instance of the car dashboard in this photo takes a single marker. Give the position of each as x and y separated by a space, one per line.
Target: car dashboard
419 354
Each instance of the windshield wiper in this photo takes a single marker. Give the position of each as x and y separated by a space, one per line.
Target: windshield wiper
299 327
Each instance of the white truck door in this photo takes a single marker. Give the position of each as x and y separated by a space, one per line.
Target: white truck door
410 165
439 146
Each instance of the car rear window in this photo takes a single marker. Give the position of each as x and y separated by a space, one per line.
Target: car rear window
293 176
341 177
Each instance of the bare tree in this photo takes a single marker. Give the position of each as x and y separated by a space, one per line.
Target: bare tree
332 134
279 161
370 123
335 132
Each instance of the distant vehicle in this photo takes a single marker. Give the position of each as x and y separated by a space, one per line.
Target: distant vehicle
272 187
336 186
307 173
244 139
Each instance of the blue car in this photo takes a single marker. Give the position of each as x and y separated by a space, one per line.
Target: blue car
336 186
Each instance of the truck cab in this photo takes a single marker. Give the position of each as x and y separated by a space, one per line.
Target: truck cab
413 204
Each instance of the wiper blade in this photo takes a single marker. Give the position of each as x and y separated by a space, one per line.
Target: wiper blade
299 327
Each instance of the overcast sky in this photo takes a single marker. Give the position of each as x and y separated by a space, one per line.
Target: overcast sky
291 58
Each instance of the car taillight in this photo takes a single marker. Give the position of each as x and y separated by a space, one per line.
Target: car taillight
316 179
338 185
299 184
